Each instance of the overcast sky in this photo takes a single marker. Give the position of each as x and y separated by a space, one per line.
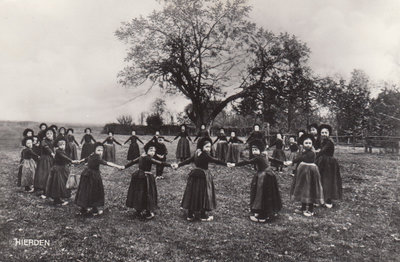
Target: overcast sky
59 58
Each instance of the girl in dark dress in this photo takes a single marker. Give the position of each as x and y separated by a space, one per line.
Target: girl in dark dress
62 132
328 167
45 163
87 148
56 184
204 133
313 130
293 152
265 199
154 139
72 144
28 164
90 193
293 149
233 155
199 194
142 193
133 151
306 187
109 147
256 134
278 153
222 145
42 132
160 155
183 148
26 133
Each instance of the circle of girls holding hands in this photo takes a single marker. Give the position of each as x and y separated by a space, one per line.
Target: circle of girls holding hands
46 159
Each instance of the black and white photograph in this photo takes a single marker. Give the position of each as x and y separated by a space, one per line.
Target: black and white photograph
200 130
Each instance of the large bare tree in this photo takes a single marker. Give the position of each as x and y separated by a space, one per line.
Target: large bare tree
206 50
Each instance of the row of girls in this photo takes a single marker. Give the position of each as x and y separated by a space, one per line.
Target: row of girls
316 181
40 155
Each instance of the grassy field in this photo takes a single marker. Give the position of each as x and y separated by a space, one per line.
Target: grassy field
365 226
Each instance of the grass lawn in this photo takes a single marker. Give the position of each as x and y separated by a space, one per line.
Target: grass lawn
364 226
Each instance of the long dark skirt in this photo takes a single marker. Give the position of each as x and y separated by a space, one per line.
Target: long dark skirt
73 151
90 191
42 172
87 149
109 153
306 186
233 155
264 193
133 151
222 150
183 149
142 193
56 184
28 169
330 177
280 155
200 191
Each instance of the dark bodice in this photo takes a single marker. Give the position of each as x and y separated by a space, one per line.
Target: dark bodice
256 135
110 140
307 156
202 160
183 135
260 161
327 148
278 144
47 147
294 147
145 163
71 139
133 139
28 153
94 161
201 134
222 138
235 140
41 135
59 136
61 158
161 149
87 138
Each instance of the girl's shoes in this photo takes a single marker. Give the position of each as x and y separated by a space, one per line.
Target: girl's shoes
190 216
308 213
147 215
150 216
328 206
206 218
43 196
259 220
97 213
